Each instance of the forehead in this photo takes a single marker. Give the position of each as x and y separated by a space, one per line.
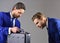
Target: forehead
20 9
36 20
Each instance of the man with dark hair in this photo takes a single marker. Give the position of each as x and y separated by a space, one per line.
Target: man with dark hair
52 25
19 5
9 22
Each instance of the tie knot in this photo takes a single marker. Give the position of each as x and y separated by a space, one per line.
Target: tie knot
13 19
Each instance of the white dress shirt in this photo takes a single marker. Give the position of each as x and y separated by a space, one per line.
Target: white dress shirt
47 24
13 23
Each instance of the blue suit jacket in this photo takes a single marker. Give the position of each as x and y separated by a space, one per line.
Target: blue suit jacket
54 30
5 23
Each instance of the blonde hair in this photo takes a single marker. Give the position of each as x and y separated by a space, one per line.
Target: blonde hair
38 15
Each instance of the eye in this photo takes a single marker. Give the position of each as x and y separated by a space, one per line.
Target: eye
37 22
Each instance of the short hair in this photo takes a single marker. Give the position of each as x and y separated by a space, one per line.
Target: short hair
38 15
19 5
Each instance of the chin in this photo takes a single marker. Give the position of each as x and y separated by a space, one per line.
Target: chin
17 16
41 28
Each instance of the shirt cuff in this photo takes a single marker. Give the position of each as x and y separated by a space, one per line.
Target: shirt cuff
9 31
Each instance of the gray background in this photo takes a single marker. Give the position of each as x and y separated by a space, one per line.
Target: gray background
50 8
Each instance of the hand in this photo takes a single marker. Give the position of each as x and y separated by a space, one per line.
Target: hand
15 29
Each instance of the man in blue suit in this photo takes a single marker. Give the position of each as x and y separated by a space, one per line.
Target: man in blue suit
9 22
52 25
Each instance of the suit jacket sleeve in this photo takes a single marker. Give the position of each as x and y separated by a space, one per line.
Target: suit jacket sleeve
3 30
57 34
58 26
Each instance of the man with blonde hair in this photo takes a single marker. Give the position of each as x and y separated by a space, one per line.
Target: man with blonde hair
52 25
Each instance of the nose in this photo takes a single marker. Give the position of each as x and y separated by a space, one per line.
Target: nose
38 25
20 12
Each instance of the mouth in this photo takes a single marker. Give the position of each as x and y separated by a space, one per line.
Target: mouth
42 26
39 26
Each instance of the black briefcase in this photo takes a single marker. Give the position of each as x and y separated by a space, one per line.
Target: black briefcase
19 38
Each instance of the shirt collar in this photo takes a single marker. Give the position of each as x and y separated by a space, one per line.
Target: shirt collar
11 15
47 23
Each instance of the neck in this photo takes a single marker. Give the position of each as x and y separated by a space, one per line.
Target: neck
12 12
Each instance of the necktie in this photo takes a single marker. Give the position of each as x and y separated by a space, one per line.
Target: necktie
13 21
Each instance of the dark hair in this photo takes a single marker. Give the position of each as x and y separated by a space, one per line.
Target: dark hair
37 15
19 5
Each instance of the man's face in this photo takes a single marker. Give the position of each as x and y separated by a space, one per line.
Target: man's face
17 12
41 23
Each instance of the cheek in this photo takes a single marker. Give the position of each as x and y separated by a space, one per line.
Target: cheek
42 21
17 13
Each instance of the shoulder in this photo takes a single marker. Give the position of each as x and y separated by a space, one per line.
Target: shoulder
57 21
51 19
54 20
1 14
4 13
